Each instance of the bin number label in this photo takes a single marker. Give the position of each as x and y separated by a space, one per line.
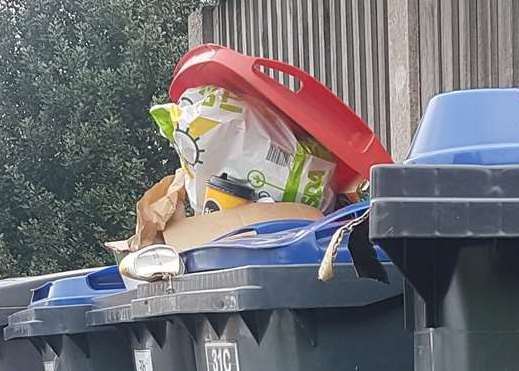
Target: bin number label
222 356
49 366
143 360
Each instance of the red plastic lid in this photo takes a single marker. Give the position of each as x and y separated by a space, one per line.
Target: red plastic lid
313 107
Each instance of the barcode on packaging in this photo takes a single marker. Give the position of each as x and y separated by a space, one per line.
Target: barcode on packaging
279 156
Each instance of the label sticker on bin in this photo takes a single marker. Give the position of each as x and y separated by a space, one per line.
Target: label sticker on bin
143 360
49 366
222 356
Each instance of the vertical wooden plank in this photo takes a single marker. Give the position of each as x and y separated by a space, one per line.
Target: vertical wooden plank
292 38
256 27
269 34
515 42
337 45
344 51
237 32
473 37
464 32
301 45
455 45
247 27
274 19
494 51
326 44
349 36
483 43
263 28
320 35
358 64
383 74
296 41
505 45
375 65
362 59
403 52
447 45
230 24
307 36
216 25
369 65
244 21
283 21
311 44
429 53
223 28
333 48
314 51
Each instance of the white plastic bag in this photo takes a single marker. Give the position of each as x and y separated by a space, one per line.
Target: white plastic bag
215 132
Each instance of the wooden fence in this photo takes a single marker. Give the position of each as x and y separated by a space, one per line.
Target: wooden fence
384 58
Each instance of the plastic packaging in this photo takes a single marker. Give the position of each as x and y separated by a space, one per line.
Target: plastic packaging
215 132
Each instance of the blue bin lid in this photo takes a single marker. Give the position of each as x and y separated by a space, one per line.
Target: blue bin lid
79 290
478 127
277 243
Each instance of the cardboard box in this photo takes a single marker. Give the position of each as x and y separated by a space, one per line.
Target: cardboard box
190 232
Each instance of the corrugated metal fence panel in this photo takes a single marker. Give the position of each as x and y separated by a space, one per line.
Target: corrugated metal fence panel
342 43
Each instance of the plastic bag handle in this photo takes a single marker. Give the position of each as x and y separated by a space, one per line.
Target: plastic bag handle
268 227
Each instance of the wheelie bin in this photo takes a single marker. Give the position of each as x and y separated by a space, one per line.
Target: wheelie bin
15 295
452 231
257 314
155 344
280 317
55 324
447 220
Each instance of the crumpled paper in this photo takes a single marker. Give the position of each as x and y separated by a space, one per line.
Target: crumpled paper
163 202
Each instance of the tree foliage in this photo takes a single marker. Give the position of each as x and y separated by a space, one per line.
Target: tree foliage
77 78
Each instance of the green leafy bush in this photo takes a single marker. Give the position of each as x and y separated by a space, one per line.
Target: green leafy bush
77 78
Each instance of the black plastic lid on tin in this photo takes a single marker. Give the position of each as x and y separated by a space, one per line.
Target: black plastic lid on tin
234 187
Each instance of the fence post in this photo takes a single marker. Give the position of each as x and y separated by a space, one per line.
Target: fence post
404 73
200 26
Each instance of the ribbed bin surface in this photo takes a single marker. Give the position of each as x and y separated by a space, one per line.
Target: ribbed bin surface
452 231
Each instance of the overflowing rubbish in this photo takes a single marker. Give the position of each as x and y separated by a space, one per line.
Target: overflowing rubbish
246 282
312 107
183 233
246 158
215 132
277 243
271 184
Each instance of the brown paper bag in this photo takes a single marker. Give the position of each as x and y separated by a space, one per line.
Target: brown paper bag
161 218
163 202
